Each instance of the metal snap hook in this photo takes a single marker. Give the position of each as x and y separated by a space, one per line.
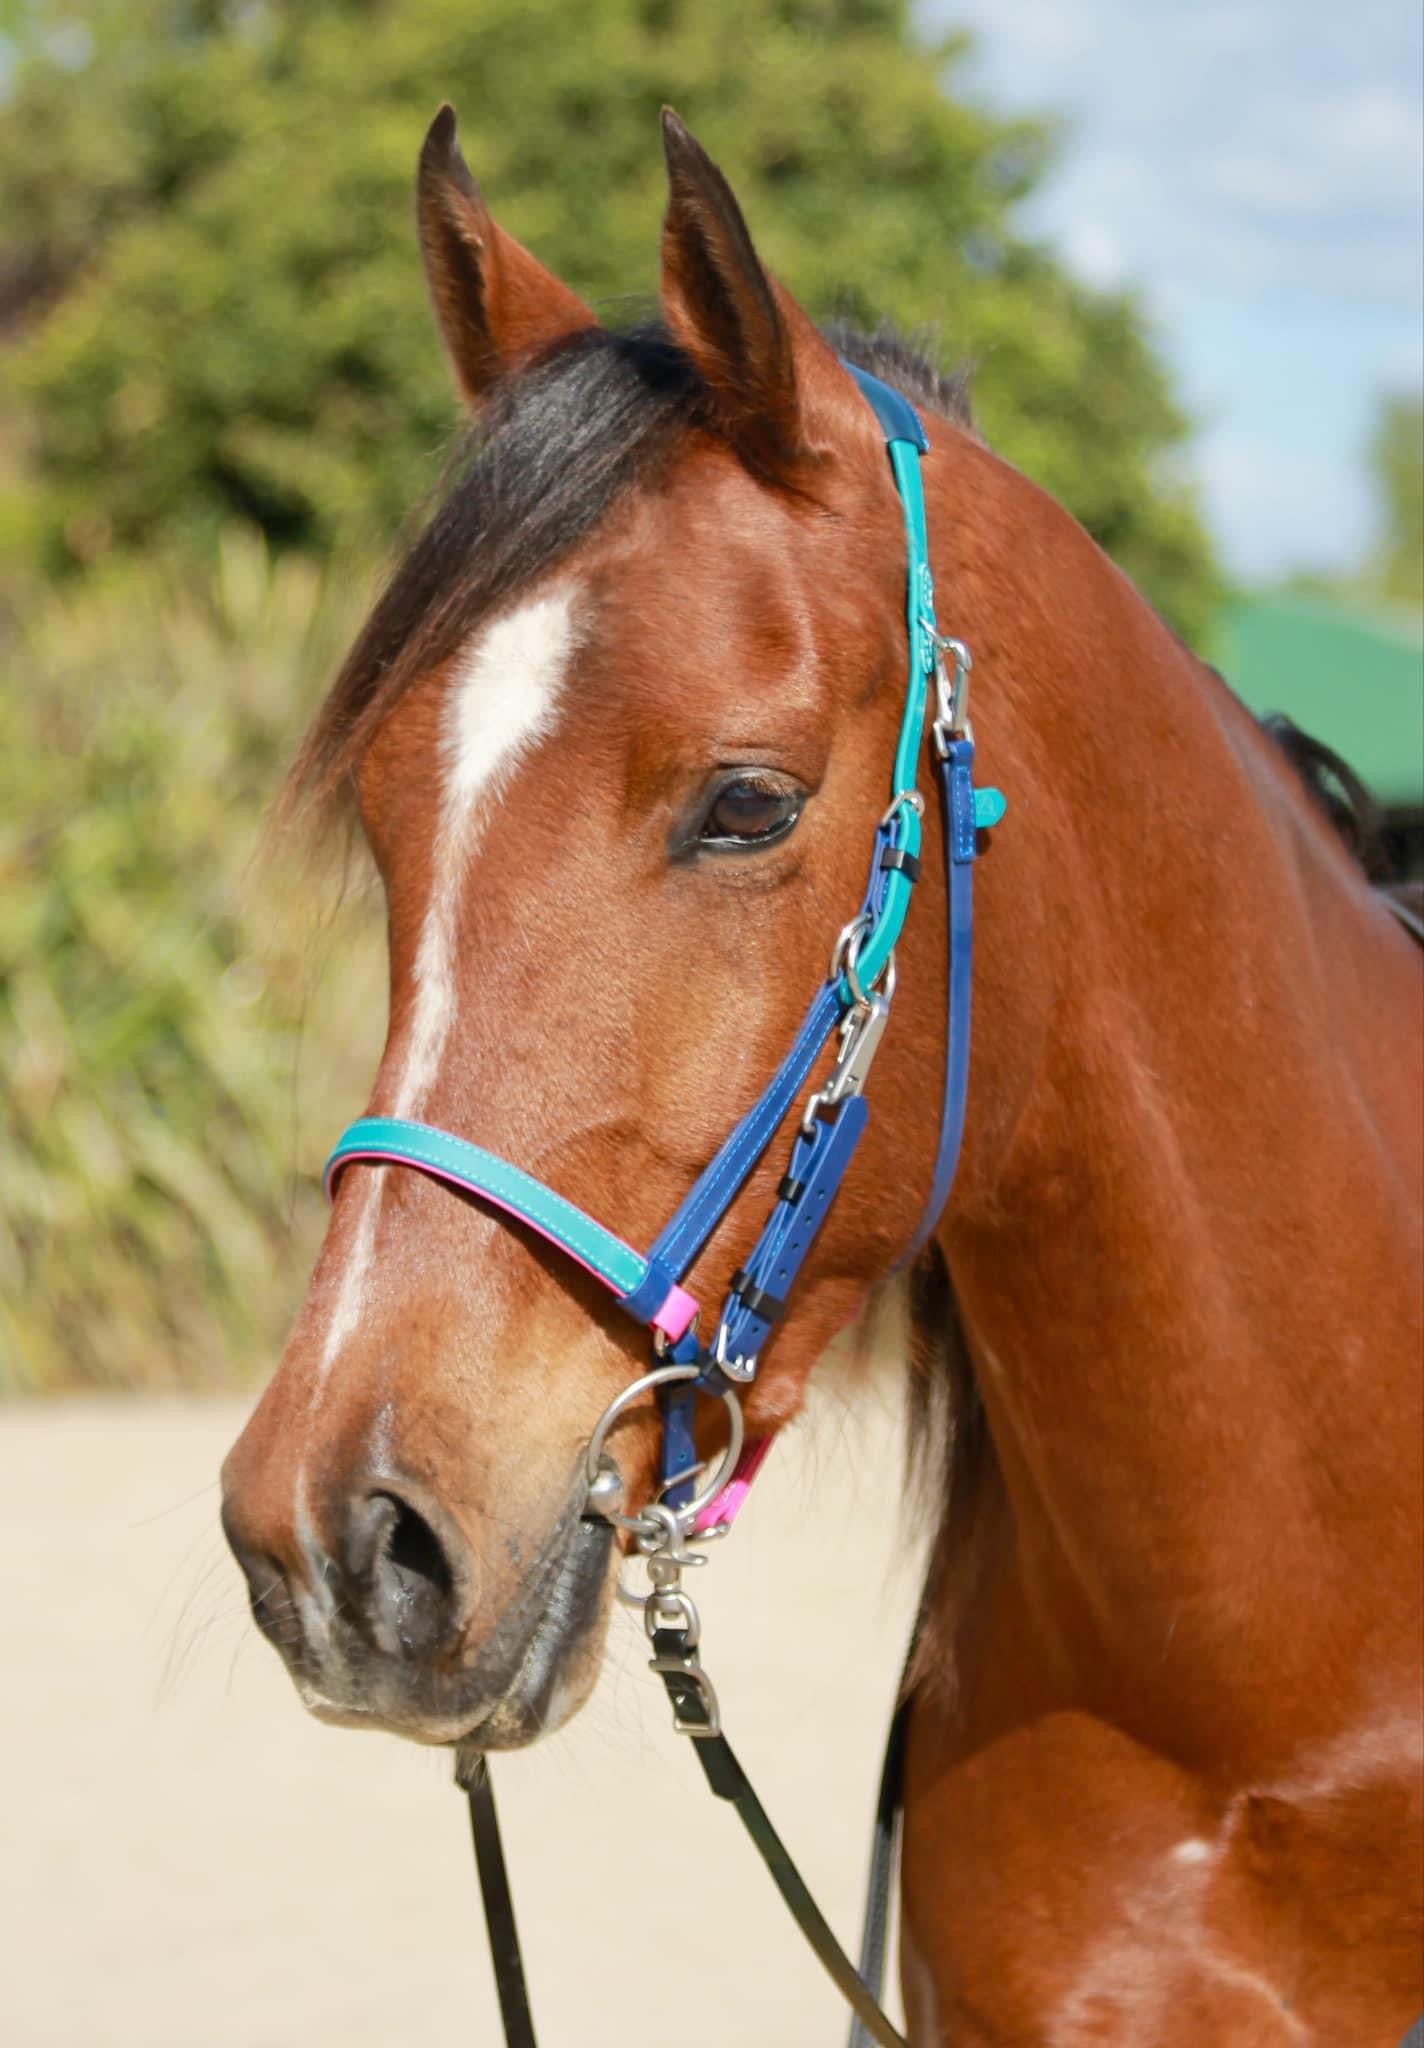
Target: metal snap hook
951 695
861 1030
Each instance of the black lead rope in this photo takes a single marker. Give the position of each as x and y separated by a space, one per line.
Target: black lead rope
861 1989
499 1912
883 1844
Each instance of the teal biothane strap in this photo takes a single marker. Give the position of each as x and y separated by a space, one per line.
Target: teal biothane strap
643 1286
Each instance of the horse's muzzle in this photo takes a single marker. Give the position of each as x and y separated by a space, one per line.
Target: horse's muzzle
375 1626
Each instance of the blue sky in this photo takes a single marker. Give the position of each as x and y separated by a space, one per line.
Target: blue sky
1255 169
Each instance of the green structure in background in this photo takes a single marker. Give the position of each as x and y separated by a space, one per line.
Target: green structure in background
1351 676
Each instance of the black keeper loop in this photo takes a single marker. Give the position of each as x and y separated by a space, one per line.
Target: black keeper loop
899 862
767 1308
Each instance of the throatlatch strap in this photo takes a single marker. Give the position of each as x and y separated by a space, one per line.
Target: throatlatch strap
957 812
499 1912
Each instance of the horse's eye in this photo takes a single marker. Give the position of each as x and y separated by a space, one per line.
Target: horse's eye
751 810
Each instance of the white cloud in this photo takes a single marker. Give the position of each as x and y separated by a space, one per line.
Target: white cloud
1277 508
1094 251
1256 168
1262 141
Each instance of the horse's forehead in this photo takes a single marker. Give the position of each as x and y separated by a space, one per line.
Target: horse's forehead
705 591
717 583
455 739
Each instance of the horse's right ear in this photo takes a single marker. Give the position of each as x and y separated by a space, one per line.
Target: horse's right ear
494 302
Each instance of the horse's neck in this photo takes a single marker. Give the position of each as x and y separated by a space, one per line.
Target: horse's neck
1172 1247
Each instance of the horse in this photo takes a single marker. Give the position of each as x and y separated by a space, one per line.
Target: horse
615 733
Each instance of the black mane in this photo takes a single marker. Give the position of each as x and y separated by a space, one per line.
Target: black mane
557 446
1336 790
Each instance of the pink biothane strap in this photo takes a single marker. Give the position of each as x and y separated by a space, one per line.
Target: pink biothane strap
728 1503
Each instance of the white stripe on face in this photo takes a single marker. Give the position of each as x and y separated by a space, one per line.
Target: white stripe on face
503 698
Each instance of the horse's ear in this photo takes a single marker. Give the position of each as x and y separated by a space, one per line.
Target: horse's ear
494 301
774 380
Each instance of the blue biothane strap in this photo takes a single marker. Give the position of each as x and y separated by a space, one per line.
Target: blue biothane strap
898 419
819 1159
888 915
961 814
711 1194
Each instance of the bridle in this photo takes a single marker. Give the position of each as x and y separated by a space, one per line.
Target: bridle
854 1001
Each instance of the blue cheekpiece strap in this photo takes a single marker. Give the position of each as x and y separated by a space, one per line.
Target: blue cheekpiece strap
711 1194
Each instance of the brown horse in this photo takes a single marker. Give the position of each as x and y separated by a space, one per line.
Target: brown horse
617 732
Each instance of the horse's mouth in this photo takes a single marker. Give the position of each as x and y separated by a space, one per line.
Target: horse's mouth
541 1662
531 1672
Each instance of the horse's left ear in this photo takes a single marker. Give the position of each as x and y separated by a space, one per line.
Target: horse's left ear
494 301
776 385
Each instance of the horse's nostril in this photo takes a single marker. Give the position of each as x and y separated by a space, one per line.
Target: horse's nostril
407 1587
413 1549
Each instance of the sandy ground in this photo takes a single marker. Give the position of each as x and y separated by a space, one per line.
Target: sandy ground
185 1858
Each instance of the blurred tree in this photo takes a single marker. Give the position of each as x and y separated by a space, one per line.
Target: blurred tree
213 297
1397 465
157 985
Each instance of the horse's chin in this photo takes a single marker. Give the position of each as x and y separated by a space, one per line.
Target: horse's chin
528 1677
558 1663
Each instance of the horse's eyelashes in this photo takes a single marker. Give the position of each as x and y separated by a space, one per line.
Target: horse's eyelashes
751 810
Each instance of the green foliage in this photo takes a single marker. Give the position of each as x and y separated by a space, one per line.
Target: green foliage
209 217
155 996
1397 465
217 351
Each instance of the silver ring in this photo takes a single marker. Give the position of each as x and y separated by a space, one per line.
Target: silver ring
665 1375
846 951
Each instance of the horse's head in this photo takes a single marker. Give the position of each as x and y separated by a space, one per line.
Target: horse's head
619 732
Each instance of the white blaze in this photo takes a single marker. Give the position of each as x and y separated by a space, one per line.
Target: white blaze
502 699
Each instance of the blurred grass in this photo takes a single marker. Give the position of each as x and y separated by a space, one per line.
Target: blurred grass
184 1023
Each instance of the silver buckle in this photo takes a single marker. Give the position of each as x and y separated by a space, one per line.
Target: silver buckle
903 799
741 1369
